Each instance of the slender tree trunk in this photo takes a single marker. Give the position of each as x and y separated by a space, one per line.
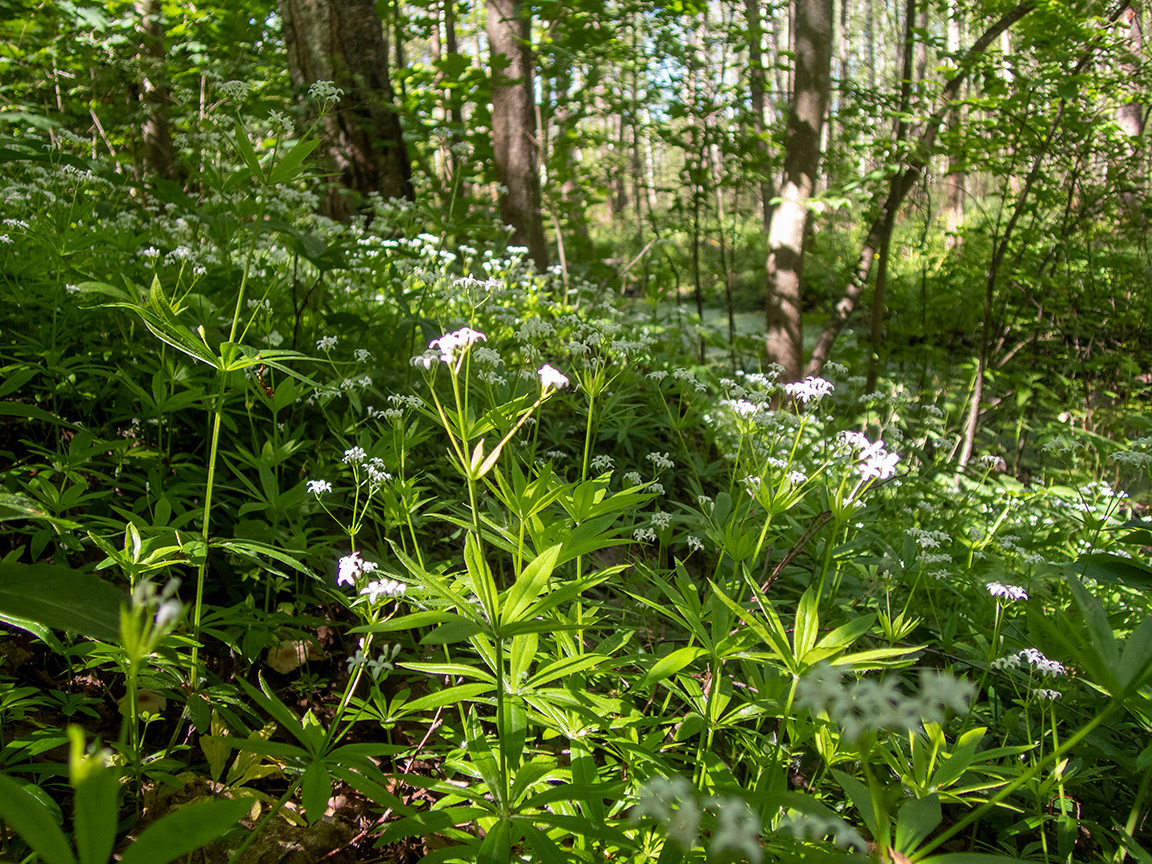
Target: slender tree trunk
901 184
957 177
343 41
156 129
756 92
973 419
899 133
812 49
514 125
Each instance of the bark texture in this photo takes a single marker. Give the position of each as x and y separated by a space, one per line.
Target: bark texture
343 41
812 46
156 129
514 125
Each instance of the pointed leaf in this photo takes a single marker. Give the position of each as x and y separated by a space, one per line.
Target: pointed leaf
185 831
33 821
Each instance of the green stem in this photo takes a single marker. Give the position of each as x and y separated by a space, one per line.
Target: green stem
197 612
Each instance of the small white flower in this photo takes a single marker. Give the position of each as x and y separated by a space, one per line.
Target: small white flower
602 462
811 388
644 535
351 566
1010 592
661 519
1047 695
695 543
324 91
354 454
634 478
551 379
387 587
362 355
319 487
661 460
451 345
326 343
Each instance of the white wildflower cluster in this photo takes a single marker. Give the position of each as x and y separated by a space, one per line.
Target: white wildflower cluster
325 91
869 704
1008 592
352 567
928 539
326 343
550 379
694 543
661 519
1061 445
534 330
675 803
662 461
1131 459
319 487
927 559
1046 695
633 478
811 389
354 455
234 91
383 588
602 463
487 356
658 375
994 462
644 535
1034 659
406 401
453 345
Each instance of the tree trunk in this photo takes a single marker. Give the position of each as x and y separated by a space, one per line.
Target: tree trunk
812 47
343 41
156 130
902 183
756 91
514 125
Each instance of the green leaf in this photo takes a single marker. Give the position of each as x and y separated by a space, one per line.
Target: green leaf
94 824
315 790
860 797
915 821
497 846
247 153
1115 570
287 167
186 830
670 664
61 599
483 756
33 821
528 586
807 625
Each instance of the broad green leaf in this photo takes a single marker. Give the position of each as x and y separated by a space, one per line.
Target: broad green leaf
483 755
33 821
315 790
860 797
186 830
915 821
1115 570
807 625
96 815
247 153
61 599
286 168
670 664
528 586
448 696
